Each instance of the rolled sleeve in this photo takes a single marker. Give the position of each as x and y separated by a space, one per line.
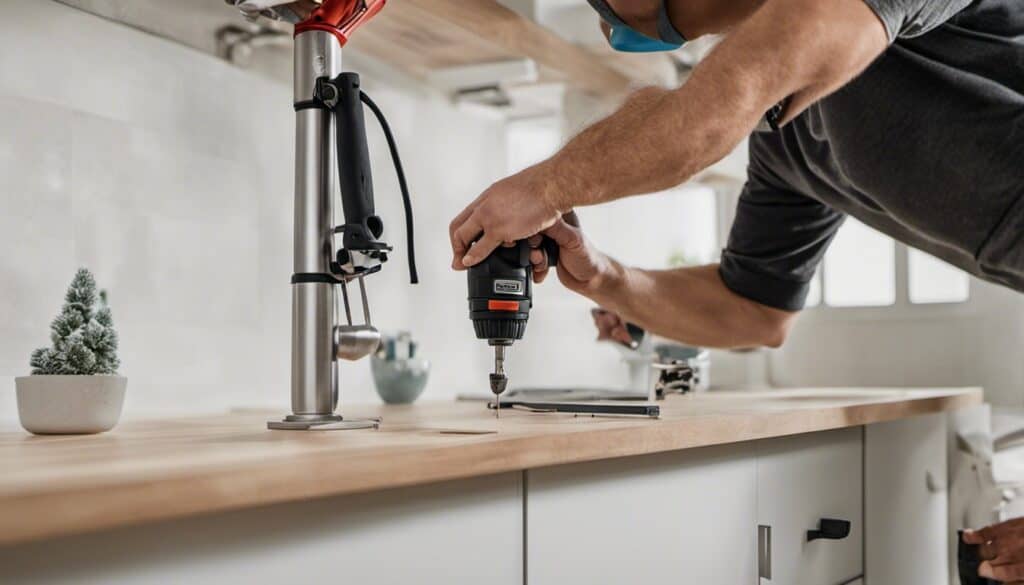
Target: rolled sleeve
911 18
777 241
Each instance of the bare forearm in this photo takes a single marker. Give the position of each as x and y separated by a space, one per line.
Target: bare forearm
661 138
693 306
657 140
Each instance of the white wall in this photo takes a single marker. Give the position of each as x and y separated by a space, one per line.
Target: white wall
169 173
977 343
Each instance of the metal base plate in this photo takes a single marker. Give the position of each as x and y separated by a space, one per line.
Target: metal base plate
326 423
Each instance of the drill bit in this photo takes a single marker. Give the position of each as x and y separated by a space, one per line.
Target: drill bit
498 379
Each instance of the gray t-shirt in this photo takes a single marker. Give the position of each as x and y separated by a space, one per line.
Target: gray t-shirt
927 146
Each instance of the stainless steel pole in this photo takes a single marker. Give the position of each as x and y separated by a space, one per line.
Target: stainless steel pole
314 315
317 54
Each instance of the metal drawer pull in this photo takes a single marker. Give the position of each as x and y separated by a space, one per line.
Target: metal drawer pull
764 552
830 529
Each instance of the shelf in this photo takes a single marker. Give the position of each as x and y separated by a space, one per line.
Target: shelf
417 36
414 36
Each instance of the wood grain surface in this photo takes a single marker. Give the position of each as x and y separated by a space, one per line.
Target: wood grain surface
421 35
147 470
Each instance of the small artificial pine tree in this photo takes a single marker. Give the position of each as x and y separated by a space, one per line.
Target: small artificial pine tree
83 336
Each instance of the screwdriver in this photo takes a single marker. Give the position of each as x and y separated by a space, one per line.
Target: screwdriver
499 381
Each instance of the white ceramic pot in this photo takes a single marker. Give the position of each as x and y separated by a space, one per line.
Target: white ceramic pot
69 405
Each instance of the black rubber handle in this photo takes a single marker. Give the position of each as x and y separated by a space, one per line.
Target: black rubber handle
830 529
550 247
362 226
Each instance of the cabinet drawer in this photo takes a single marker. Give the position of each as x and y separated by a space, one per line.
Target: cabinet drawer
671 518
800 481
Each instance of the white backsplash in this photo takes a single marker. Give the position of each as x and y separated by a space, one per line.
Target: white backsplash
169 173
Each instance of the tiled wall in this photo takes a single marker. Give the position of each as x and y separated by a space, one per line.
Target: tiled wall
169 173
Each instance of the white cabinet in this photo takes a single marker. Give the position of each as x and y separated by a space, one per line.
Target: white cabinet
467 531
801 480
907 523
680 517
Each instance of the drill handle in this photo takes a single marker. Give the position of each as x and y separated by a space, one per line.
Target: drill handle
550 247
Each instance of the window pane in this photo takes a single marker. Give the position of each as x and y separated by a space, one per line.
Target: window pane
814 295
860 268
933 281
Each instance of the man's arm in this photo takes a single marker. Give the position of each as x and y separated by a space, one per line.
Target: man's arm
690 305
800 49
693 306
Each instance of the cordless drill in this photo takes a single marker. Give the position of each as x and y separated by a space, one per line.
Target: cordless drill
500 298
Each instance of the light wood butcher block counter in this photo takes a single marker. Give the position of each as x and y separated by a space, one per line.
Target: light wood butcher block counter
148 470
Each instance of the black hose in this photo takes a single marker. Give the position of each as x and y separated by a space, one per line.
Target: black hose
413 277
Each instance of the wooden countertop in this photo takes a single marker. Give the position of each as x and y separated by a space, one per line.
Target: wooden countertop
166 468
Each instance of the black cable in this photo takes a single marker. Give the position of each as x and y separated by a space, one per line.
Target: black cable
413 277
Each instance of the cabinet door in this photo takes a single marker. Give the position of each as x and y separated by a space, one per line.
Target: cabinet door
906 501
801 480
467 531
680 517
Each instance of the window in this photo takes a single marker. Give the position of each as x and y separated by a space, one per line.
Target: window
860 268
934 281
864 268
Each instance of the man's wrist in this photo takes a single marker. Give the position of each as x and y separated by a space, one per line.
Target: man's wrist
566 185
611 288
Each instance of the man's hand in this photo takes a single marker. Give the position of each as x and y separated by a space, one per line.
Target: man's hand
581 267
1002 548
611 327
514 208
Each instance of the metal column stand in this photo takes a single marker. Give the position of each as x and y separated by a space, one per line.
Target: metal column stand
331 156
314 314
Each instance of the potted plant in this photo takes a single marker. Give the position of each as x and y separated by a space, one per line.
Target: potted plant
74 387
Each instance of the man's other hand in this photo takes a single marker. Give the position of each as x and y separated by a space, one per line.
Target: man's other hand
611 327
514 208
581 267
1001 546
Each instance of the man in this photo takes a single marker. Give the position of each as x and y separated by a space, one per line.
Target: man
906 114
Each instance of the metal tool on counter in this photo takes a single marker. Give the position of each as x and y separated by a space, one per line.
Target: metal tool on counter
500 299
330 150
648 410
681 368
674 377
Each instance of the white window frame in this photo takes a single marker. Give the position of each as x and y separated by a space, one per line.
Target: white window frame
902 308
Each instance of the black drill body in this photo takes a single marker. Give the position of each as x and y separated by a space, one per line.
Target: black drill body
500 299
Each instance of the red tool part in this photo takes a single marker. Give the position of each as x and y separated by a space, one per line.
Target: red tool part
340 17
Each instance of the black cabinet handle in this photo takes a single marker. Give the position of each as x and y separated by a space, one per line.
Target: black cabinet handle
830 529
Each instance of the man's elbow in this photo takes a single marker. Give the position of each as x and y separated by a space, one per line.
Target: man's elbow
773 326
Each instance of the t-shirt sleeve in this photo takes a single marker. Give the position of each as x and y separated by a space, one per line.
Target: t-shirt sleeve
777 240
911 18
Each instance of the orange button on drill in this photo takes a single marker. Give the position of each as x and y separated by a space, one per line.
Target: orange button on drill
493 305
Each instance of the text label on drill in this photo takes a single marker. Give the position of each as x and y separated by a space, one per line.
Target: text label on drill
508 287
